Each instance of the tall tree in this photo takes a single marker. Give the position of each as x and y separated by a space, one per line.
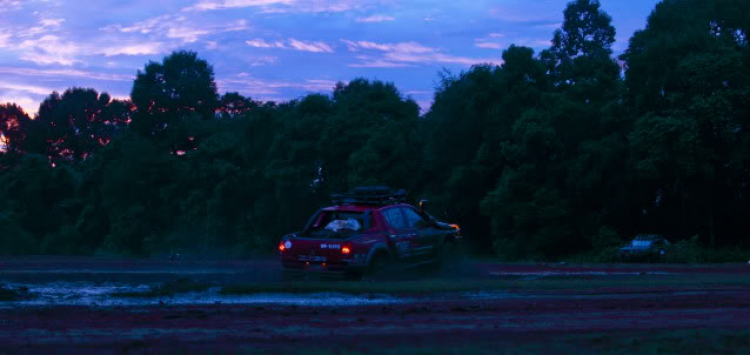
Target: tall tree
233 104
80 121
565 156
688 82
361 110
164 93
12 120
467 127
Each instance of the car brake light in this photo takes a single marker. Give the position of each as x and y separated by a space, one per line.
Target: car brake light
345 250
282 247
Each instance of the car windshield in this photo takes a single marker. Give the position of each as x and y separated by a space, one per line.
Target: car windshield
338 223
641 243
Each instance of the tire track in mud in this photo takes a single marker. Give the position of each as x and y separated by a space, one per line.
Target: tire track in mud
449 321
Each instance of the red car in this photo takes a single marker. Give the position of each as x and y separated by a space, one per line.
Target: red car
368 230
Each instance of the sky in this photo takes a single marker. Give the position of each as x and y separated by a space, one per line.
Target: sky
272 49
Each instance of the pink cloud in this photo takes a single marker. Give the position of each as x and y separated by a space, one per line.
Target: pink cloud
402 47
369 62
260 43
28 104
49 49
177 27
4 40
406 54
229 4
67 72
134 49
31 89
490 45
283 6
376 18
315 47
305 46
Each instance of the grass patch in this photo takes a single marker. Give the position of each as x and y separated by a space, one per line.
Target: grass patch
7 295
10 295
515 285
168 289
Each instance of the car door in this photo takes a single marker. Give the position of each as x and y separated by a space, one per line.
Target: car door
400 235
426 236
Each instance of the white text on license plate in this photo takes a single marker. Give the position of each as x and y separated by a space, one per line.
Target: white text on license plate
311 258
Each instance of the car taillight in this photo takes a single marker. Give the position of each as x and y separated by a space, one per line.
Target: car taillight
345 250
284 245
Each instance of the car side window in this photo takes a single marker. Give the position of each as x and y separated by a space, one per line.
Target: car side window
413 219
394 218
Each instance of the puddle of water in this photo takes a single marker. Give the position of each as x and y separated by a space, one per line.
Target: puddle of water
492 295
86 294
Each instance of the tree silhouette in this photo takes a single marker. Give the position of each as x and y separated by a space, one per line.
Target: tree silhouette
12 121
179 86
543 157
579 57
80 121
688 84
233 104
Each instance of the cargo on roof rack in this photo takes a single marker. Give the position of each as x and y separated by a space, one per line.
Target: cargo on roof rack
370 195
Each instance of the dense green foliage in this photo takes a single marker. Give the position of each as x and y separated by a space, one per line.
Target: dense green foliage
545 156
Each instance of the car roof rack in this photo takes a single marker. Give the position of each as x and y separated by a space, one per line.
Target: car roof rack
370 196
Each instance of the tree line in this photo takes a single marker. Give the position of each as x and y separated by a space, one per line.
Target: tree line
552 154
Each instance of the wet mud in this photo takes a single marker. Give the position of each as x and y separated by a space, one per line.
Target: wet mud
75 310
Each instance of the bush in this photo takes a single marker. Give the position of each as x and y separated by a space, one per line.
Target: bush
724 255
14 239
506 249
9 295
684 252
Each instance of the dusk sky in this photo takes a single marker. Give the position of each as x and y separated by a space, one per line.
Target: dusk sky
272 49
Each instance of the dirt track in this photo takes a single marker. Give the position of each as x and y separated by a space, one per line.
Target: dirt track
543 321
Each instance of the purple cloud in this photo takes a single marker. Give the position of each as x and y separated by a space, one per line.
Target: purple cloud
285 48
376 18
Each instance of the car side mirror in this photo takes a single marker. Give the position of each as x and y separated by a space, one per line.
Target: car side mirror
422 203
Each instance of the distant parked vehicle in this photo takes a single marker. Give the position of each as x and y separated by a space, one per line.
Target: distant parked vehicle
649 247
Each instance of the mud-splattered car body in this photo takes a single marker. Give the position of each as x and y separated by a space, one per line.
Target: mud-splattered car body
361 235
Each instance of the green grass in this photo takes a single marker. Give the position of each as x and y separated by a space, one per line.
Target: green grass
7 295
170 288
514 285
10 295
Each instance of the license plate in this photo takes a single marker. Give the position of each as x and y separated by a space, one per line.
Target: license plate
312 258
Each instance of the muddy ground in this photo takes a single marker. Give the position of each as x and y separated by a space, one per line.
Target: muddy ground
71 305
